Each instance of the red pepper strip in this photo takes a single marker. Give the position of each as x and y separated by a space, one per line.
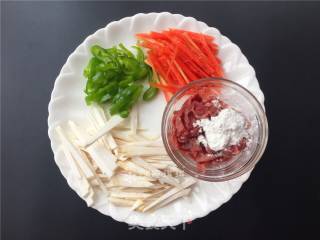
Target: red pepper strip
170 79
150 45
198 71
213 47
202 43
193 34
211 57
166 91
154 61
209 47
187 38
168 96
157 35
191 42
190 75
142 35
201 64
196 49
164 43
162 81
153 35
217 66
161 65
198 41
184 54
171 62
165 36
165 88
208 56
206 52
218 60
177 76
153 45
173 78
185 78
161 49
154 42
148 38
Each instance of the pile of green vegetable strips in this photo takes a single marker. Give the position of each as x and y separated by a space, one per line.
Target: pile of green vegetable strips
114 76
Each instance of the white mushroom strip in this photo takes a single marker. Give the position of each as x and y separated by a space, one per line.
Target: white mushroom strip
92 131
84 185
138 137
153 197
122 135
125 127
94 183
121 202
80 157
129 195
75 152
187 183
136 205
134 120
135 189
164 162
104 159
90 198
122 157
96 126
174 169
101 185
133 168
180 194
73 165
133 151
160 158
149 136
129 180
103 177
155 173
100 119
114 121
158 186
157 143
159 192
82 163
160 166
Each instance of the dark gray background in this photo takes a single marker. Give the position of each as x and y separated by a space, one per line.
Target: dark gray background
279 201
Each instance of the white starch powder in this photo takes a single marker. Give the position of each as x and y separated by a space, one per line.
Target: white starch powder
223 130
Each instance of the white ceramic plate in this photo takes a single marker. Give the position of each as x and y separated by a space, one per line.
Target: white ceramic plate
67 103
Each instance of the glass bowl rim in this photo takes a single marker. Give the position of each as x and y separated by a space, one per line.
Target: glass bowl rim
263 131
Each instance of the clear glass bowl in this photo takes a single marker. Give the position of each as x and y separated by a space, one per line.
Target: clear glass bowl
236 97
